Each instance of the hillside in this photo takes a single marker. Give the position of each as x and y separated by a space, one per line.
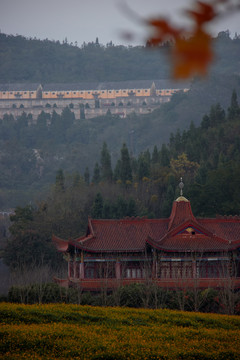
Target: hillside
31 155
32 60
82 332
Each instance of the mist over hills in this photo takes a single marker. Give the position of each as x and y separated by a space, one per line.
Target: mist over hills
75 144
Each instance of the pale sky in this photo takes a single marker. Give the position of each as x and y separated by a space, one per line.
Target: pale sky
84 20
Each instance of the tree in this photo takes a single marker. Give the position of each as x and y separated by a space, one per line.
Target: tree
125 165
234 109
20 219
60 181
87 176
105 161
96 174
155 155
143 167
183 167
97 208
164 157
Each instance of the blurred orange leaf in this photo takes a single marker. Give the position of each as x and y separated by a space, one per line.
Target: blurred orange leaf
204 13
163 31
192 56
192 50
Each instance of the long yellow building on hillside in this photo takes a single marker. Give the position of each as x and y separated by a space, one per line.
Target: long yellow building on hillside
140 96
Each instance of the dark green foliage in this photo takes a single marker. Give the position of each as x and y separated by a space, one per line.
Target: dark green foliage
87 176
97 208
125 170
234 109
105 161
146 295
21 219
113 209
29 248
60 180
96 174
32 60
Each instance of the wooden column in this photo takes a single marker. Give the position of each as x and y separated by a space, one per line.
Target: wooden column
74 268
81 269
118 269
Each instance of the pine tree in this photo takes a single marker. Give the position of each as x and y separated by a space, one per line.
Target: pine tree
96 174
234 109
106 167
155 155
97 208
125 168
164 156
143 167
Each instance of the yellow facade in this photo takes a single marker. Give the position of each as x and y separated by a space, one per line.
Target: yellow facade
16 95
84 94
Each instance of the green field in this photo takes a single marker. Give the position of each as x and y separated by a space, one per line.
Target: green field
83 332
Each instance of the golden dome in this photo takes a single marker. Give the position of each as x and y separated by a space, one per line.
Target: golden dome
182 198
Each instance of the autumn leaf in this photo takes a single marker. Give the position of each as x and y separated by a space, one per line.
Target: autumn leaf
163 31
191 52
204 13
192 56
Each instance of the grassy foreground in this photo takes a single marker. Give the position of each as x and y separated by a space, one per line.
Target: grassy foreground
59 331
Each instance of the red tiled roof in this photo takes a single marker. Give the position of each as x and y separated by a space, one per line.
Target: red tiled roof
181 232
228 228
181 211
60 244
122 235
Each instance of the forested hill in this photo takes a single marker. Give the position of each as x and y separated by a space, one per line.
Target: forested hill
206 156
31 155
32 60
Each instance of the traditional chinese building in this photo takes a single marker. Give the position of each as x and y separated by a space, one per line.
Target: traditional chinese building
178 252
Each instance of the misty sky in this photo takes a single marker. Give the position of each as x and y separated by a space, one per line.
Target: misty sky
84 20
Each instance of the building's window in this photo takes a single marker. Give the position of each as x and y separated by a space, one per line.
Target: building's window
67 92
139 91
74 92
4 93
105 270
46 93
81 92
53 93
212 269
25 92
117 91
175 270
134 270
134 273
11 92
110 91
89 92
89 271
146 90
